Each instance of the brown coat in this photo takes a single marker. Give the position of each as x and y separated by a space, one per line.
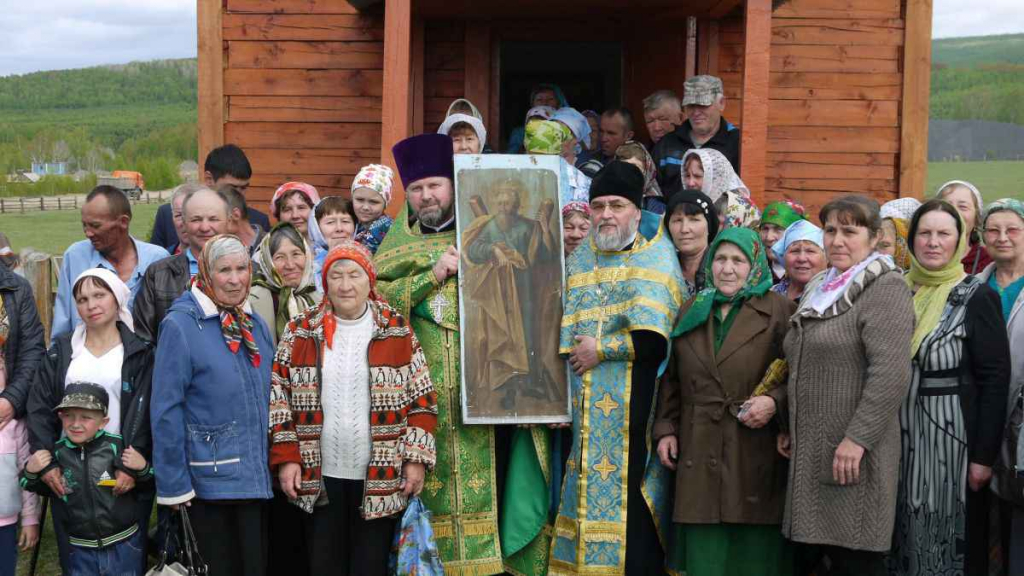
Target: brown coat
726 471
849 369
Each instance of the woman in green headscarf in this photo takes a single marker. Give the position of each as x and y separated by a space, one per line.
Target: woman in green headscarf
712 419
282 281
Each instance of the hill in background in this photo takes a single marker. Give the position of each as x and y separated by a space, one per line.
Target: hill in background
978 78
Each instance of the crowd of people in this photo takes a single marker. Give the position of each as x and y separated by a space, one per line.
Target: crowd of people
754 391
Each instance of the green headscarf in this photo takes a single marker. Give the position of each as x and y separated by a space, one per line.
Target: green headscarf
782 214
545 137
759 281
290 301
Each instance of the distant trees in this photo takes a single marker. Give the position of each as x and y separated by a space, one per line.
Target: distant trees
988 92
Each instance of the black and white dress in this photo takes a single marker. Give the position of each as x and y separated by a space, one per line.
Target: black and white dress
953 415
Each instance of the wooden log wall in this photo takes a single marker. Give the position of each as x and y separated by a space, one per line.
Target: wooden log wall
444 75
302 88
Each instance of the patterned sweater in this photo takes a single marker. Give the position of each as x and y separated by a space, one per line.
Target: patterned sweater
403 407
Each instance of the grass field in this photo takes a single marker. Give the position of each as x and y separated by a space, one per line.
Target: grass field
53 232
994 179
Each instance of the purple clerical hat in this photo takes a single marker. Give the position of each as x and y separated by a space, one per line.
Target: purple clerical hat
424 156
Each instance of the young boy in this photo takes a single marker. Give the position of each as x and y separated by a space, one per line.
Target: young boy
94 494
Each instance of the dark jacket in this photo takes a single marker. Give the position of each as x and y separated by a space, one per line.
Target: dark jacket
25 345
162 283
165 235
95 516
44 428
669 151
726 472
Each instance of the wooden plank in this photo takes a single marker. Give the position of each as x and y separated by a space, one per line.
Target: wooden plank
445 56
722 8
754 136
291 6
799 58
259 196
250 82
445 30
444 84
331 28
917 60
841 9
850 185
834 159
303 135
831 32
210 114
833 139
833 113
397 107
825 171
477 77
418 69
275 160
835 86
272 181
319 55
304 109
691 47
708 47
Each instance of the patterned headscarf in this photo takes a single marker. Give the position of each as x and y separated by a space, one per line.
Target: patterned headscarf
783 213
719 177
1005 205
634 149
901 250
759 280
545 112
576 206
376 177
739 211
357 253
902 208
305 189
545 137
290 301
235 324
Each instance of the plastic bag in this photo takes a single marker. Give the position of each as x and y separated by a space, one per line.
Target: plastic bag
414 552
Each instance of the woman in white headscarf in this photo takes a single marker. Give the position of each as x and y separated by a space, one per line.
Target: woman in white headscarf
967 200
710 172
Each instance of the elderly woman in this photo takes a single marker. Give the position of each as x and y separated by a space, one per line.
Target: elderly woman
849 368
548 137
961 358
896 215
776 217
282 282
801 250
635 153
209 411
353 369
712 416
580 129
968 202
692 224
544 100
292 203
102 349
575 225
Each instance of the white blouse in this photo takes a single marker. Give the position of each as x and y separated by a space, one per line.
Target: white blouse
105 371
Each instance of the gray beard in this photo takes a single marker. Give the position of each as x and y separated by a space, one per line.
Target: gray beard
618 241
434 218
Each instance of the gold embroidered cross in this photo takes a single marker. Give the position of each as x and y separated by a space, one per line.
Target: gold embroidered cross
475 484
605 468
433 485
607 404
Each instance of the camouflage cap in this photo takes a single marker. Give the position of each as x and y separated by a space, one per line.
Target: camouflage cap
84 395
702 90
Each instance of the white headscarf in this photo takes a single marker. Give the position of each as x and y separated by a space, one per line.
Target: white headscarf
902 208
453 119
121 294
719 177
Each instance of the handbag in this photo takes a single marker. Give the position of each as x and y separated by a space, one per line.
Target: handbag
414 551
190 562
1008 471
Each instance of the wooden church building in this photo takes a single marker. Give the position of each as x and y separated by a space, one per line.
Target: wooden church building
831 95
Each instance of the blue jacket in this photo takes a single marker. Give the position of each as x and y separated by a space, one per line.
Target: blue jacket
209 409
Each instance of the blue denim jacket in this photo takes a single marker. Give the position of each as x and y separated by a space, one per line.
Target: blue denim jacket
209 409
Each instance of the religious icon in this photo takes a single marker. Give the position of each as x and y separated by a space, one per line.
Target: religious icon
511 283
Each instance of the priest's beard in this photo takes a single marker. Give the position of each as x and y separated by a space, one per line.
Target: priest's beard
617 239
435 215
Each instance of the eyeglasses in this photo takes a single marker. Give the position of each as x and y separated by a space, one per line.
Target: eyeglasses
1012 232
615 207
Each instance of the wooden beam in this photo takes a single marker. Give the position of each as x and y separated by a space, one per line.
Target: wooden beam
419 68
397 105
917 63
722 8
707 47
478 70
691 46
756 61
211 76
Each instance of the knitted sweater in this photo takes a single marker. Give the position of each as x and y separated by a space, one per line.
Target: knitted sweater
849 372
345 442
403 407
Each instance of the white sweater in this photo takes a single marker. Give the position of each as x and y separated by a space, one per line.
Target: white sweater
345 442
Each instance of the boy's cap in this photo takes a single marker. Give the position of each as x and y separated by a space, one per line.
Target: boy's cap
84 395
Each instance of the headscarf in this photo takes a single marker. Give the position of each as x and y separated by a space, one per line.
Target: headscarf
1005 205
783 213
316 236
739 211
758 283
901 250
577 124
797 231
545 137
356 252
376 177
476 123
719 177
935 286
235 323
290 301
475 111
545 112
701 201
576 206
979 202
121 295
902 208
307 190
562 102
634 149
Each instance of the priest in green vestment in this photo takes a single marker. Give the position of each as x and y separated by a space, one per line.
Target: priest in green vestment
417 264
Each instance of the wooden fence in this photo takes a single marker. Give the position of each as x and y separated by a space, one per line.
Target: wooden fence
21 204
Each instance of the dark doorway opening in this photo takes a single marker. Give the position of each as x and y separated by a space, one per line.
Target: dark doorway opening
589 74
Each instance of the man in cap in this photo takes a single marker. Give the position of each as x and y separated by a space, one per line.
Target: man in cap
623 295
417 265
703 102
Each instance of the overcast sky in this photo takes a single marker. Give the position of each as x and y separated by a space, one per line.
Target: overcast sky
58 34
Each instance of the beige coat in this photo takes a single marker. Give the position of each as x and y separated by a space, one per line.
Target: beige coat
849 372
262 302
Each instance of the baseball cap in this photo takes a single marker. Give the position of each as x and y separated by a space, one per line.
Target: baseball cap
702 90
84 395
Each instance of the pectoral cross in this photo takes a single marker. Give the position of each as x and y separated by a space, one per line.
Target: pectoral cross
438 304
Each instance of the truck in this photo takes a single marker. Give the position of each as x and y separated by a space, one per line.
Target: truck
127 181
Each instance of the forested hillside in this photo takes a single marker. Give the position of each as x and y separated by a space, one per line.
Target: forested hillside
978 78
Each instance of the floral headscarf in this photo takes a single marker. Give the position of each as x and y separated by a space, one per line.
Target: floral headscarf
290 301
633 149
759 280
306 190
902 208
901 250
545 137
235 323
739 211
719 177
376 177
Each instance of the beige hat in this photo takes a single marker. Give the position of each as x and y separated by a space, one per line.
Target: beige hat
702 90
